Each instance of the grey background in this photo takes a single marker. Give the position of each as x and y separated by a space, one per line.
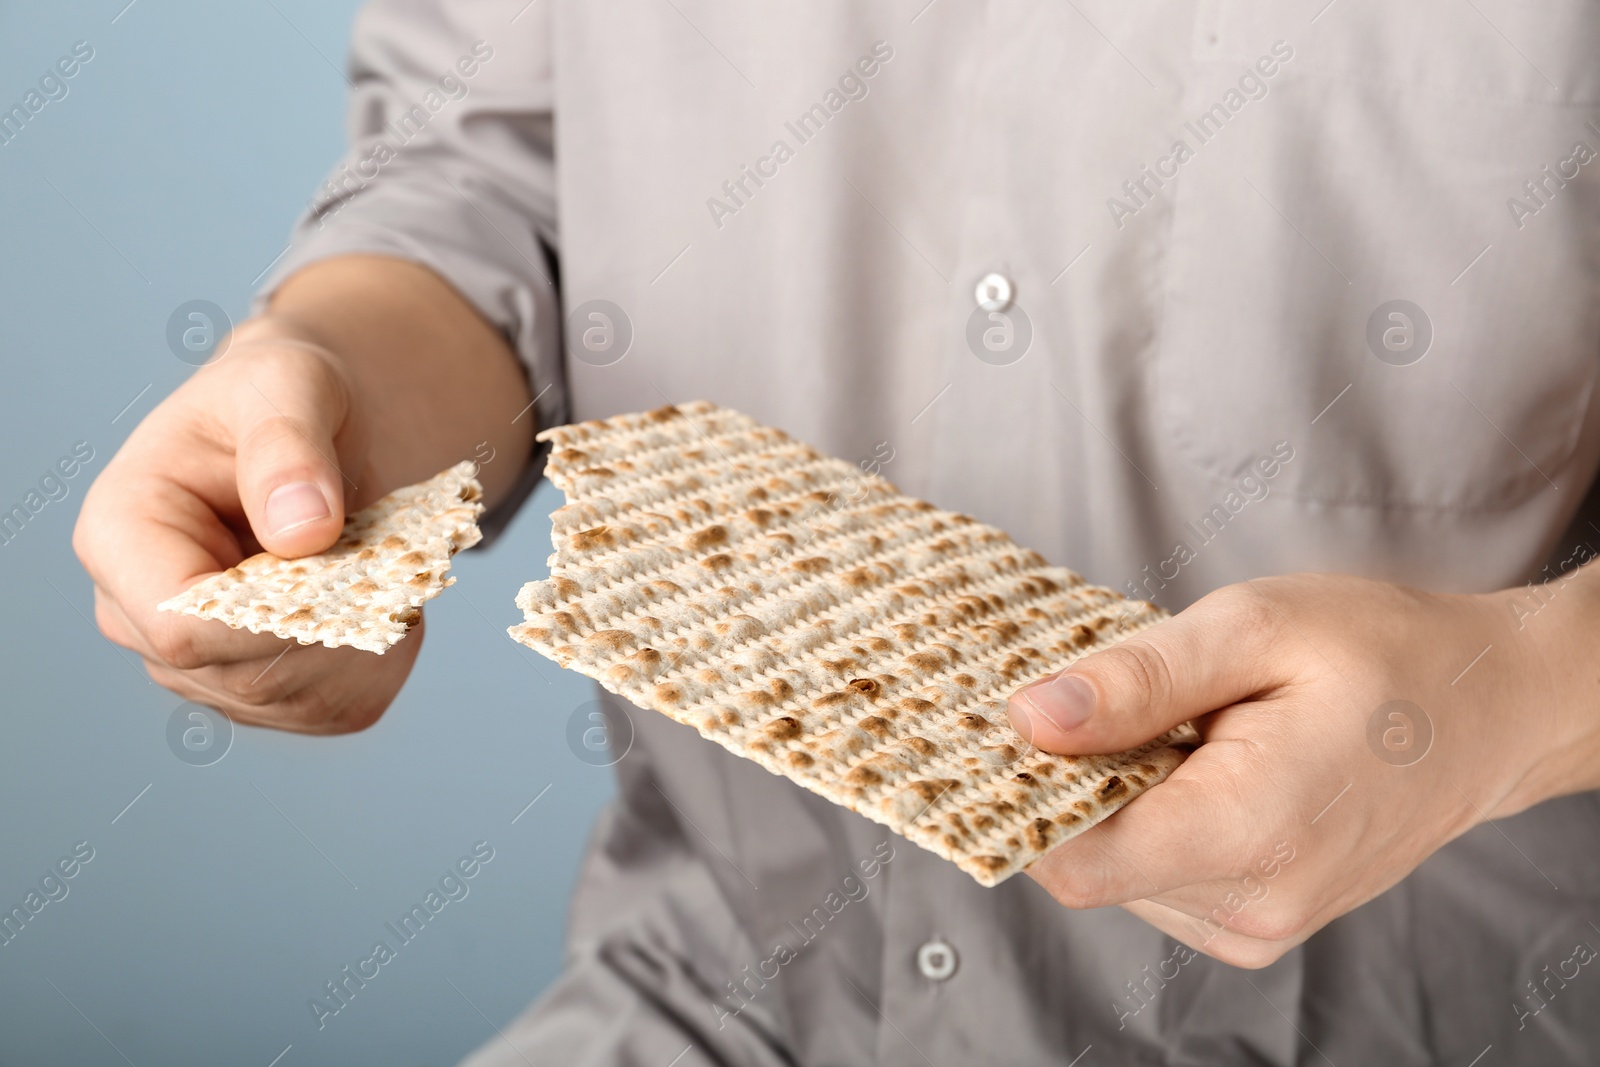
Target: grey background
221 900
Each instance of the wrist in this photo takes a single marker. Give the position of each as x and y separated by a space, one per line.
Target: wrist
1555 630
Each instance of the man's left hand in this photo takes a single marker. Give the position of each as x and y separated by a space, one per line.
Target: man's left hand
1314 790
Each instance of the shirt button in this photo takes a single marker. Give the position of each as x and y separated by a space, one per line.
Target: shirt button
993 292
936 960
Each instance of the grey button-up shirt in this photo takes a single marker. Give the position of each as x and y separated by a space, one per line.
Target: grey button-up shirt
1351 244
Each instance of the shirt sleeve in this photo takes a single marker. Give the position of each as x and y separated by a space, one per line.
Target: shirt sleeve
451 164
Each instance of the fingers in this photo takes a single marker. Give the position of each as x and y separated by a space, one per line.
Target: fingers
1182 832
287 412
1208 937
308 689
113 622
143 539
1169 858
1219 652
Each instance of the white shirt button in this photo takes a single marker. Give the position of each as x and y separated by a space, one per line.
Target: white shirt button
936 960
993 292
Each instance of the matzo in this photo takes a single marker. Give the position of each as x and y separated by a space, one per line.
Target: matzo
366 590
812 618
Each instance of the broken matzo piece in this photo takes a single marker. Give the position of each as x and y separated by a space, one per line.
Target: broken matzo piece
843 635
365 591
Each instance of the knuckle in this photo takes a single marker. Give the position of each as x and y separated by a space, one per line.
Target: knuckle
1075 891
1283 925
360 717
176 682
1141 666
264 683
87 531
176 648
1079 880
313 709
82 542
1246 607
106 622
273 433
247 684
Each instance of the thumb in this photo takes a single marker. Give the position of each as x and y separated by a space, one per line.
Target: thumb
1212 655
289 411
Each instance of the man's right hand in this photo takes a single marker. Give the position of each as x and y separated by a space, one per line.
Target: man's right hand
252 453
370 374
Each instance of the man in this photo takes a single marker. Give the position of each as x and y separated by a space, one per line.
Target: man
1181 295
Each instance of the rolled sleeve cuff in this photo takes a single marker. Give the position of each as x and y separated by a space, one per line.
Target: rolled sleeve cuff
482 247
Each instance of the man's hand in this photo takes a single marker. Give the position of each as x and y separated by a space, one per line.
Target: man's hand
1308 797
369 374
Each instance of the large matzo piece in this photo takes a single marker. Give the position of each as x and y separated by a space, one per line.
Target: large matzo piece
366 590
812 618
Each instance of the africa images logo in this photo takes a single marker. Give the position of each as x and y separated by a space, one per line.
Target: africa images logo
851 86
452 886
1141 189
52 88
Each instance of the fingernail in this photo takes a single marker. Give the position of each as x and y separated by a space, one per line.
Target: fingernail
1065 701
294 505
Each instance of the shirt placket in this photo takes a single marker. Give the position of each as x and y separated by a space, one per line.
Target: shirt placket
934 976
